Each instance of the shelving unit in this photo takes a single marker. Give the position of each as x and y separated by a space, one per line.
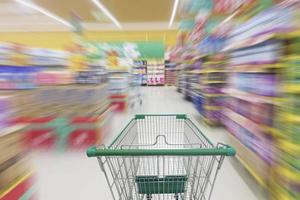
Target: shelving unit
63 108
155 72
170 73
208 95
253 96
249 116
16 176
140 71
286 177
119 89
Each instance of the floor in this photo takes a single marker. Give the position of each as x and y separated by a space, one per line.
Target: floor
73 176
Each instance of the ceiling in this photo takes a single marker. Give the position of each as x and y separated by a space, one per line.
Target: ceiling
131 14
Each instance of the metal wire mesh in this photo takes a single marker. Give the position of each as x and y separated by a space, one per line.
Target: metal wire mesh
161 177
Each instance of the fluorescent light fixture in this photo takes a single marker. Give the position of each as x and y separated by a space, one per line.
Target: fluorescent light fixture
107 13
173 12
45 12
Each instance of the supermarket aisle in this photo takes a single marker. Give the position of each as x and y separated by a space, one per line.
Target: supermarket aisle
80 178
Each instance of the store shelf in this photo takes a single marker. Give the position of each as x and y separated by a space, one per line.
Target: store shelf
207 71
256 166
211 95
248 42
208 121
248 124
11 129
289 146
251 97
214 62
273 131
213 82
291 88
215 108
255 68
290 34
292 118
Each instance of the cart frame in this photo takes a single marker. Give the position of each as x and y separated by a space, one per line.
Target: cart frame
161 157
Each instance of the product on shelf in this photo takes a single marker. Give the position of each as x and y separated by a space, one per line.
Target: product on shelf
48 57
208 88
53 109
155 72
253 92
119 82
46 94
286 169
18 77
250 105
170 73
12 54
139 70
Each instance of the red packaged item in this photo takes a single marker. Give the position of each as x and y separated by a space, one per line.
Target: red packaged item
119 106
83 138
41 138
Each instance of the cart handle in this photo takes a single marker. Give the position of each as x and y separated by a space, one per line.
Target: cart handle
221 151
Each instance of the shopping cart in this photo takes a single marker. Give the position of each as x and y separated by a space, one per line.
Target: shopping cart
161 157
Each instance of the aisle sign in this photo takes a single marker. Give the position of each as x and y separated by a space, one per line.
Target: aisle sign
133 50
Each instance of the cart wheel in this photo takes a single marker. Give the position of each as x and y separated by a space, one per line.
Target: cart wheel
176 196
149 196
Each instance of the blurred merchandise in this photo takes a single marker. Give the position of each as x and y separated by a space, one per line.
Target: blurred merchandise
18 77
248 80
234 63
286 180
55 109
186 78
209 97
48 57
253 93
250 109
135 96
16 176
155 72
139 70
12 54
47 95
170 73
119 83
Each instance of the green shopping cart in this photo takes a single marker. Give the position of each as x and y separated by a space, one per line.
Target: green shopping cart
161 157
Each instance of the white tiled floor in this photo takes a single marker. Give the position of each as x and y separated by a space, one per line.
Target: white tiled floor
73 176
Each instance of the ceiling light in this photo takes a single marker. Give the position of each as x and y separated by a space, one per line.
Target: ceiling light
45 12
173 12
107 13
